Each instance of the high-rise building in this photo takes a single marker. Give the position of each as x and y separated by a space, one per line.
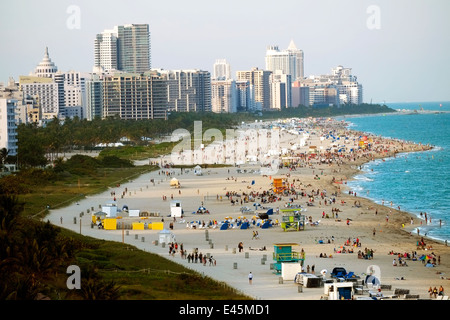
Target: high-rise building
47 92
260 82
46 85
8 126
188 90
222 70
223 96
105 51
125 48
135 96
300 94
290 61
134 48
245 97
94 97
281 87
75 94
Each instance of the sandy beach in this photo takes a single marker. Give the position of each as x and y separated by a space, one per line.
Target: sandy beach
319 182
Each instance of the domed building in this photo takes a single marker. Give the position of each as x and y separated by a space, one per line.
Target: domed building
46 68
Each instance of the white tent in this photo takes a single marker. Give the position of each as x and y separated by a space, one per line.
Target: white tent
165 236
198 170
175 183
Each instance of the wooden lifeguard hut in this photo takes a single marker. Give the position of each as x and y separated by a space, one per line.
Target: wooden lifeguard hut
278 185
283 253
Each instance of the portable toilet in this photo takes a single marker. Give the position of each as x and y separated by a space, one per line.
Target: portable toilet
175 209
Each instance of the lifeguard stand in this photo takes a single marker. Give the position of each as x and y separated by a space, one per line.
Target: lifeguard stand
278 185
283 253
292 220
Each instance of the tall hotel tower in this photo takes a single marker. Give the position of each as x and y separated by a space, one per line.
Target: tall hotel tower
290 61
124 48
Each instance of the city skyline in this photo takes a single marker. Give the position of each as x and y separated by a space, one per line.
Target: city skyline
398 50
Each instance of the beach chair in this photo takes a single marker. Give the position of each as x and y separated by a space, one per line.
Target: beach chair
266 225
349 275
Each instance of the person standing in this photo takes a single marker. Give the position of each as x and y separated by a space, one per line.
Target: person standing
250 277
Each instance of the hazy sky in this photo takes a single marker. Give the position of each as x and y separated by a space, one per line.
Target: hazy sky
398 49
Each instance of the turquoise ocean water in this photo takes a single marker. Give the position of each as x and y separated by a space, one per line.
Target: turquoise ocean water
417 182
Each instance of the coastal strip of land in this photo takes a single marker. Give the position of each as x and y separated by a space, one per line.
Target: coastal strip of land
342 229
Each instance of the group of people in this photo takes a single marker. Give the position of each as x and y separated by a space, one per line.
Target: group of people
366 254
434 292
196 257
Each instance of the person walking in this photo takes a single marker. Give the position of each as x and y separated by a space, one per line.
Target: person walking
250 277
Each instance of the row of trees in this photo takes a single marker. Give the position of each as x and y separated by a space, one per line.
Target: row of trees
38 144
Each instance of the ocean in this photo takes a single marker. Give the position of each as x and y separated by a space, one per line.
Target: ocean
417 182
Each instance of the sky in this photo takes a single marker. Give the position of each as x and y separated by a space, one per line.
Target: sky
399 50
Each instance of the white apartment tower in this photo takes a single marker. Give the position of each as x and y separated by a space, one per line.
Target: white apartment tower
224 96
105 51
8 127
75 94
222 70
280 90
290 61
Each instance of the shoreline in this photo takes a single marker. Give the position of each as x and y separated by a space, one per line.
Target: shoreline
362 222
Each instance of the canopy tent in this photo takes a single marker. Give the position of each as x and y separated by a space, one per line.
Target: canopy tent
165 236
201 210
198 170
98 216
175 183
